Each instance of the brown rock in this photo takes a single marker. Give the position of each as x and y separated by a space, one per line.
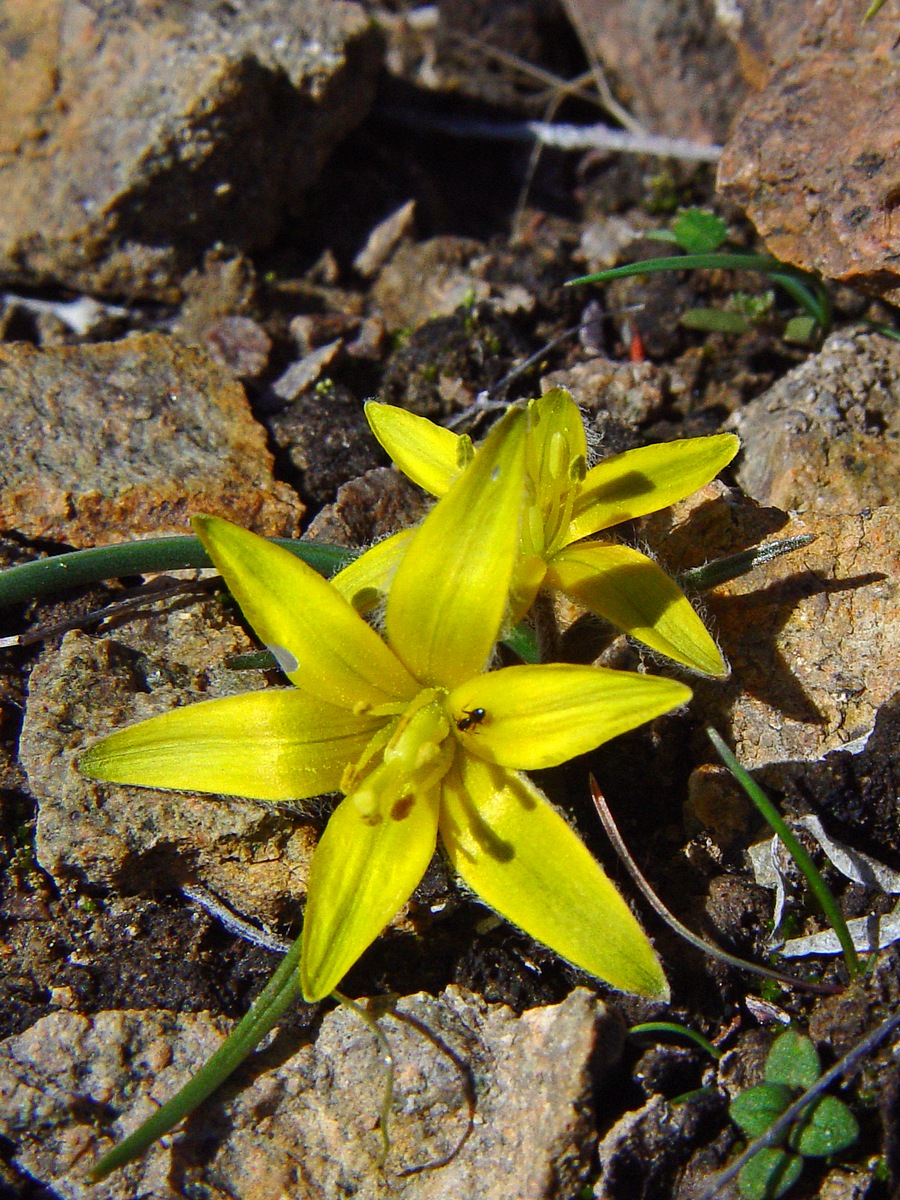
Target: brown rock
369 508
813 640
132 437
815 158
673 64
255 856
826 437
135 136
304 1124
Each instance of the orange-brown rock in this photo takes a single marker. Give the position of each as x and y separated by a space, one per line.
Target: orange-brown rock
106 441
815 157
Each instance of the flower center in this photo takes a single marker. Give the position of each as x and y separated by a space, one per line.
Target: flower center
416 755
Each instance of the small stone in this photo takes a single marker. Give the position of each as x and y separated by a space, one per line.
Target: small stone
116 439
429 279
383 240
240 345
717 805
632 393
646 1151
301 375
370 341
369 508
71 1084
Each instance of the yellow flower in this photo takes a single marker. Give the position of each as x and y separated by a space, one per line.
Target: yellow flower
566 503
422 742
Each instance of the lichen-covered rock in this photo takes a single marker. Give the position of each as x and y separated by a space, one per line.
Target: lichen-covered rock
137 136
490 1103
130 438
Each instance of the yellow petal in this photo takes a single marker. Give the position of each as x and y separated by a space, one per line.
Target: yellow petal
428 454
322 645
631 592
557 434
449 594
365 582
278 744
646 480
532 717
519 855
361 876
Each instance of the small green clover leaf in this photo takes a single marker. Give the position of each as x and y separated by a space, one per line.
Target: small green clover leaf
826 1126
793 1061
696 230
769 1174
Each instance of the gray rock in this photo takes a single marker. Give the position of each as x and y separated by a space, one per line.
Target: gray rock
367 509
137 137
131 437
826 437
485 1103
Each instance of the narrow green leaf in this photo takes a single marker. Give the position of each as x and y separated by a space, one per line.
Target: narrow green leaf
44 576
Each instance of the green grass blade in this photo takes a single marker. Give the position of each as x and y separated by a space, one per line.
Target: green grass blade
282 990
44 576
679 1031
805 864
695 262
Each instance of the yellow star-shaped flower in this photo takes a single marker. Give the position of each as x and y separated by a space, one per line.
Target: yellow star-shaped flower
566 503
423 743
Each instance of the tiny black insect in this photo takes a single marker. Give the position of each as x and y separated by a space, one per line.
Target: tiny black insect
470 717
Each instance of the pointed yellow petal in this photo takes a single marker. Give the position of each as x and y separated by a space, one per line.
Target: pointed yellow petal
513 849
428 454
555 458
365 582
361 876
631 592
321 644
278 744
449 594
540 716
646 480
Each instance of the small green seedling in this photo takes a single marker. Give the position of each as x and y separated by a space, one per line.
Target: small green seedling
703 235
695 230
826 1126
